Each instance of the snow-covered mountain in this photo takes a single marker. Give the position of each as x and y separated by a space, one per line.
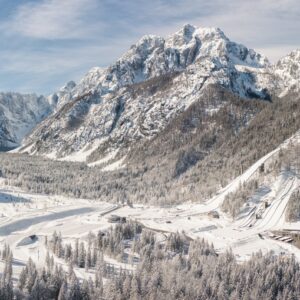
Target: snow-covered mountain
61 97
158 78
19 114
287 72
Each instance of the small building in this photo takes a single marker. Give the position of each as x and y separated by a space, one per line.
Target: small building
213 214
116 219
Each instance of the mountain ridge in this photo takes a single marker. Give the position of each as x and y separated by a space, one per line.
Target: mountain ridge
157 79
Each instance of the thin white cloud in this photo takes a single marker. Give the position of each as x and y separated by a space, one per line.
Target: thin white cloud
54 61
52 19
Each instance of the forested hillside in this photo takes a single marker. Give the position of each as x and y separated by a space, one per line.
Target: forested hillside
187 161
174 269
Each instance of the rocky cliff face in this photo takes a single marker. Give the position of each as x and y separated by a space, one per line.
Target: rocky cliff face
19 114
287 72
134 99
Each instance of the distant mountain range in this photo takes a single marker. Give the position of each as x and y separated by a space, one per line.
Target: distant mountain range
19 114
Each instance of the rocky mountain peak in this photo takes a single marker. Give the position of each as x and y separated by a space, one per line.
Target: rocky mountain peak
69 86
287 71
154 56
290 64
158 78
181 37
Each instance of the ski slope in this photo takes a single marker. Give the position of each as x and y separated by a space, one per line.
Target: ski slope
273 217
216 201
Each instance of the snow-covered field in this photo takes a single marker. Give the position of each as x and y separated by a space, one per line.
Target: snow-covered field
24 215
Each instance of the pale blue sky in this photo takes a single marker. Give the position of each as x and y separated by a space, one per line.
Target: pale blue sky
45 43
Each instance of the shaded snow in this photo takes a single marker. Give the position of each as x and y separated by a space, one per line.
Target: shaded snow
104 159
119 164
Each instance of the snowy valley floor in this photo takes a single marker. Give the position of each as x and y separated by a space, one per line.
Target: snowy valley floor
26 219
24 215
